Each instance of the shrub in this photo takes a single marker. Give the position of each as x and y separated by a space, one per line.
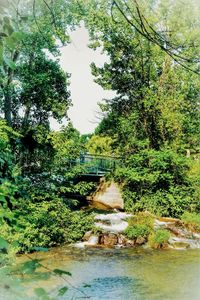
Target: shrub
78 223
50 223
170 203
138 230
192 220
158 238
142 218
158 181
140 225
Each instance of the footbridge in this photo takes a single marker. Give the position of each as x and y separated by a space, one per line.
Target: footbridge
96 165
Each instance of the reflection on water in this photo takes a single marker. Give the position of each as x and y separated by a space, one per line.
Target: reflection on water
116 287
126 273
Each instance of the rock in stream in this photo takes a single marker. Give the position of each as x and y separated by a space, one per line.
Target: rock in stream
111 229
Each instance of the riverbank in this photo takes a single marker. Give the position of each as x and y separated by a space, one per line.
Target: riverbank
119 229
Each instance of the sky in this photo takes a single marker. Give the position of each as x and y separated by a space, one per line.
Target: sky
85 93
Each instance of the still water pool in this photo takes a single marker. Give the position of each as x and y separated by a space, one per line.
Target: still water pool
121 274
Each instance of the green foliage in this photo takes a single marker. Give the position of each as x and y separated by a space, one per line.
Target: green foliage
170 203
66 143
150 122
192 220
80 223
158 181
154 116
159 238
30 266
61 272
156 101
6 156
99 144
39 215
138 230
15 278
49 223
154 168
43 90
140 225
62 291
3 244
30 81
41 294
9 179
142 218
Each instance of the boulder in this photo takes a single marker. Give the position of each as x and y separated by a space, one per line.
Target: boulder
109 239
122 240
140 240
87 236
130 243
109 195
181 245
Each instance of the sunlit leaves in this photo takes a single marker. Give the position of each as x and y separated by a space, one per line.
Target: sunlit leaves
3 244
62 291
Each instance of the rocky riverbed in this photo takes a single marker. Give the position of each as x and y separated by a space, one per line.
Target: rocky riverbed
110 232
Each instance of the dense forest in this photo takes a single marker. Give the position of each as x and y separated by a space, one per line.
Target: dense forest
152 124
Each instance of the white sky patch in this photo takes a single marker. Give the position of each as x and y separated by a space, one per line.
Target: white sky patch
85 93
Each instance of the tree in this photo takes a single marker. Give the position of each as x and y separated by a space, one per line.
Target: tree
147 79
41 91
144 18
27 32
99 144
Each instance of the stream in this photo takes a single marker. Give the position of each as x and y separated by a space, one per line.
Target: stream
120 274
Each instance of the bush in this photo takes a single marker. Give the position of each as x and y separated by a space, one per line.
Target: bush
138 230
79 223
158 238
50 223
192 220
143 218
139 226
158 181
170 203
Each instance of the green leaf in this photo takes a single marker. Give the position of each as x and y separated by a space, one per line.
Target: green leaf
2 198
18 35
86 285
29 267
10 63
61 272
62 291
42 294
3 243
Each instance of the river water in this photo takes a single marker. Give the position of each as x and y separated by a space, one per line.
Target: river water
120 274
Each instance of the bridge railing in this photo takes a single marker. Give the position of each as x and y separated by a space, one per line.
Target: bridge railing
96 164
